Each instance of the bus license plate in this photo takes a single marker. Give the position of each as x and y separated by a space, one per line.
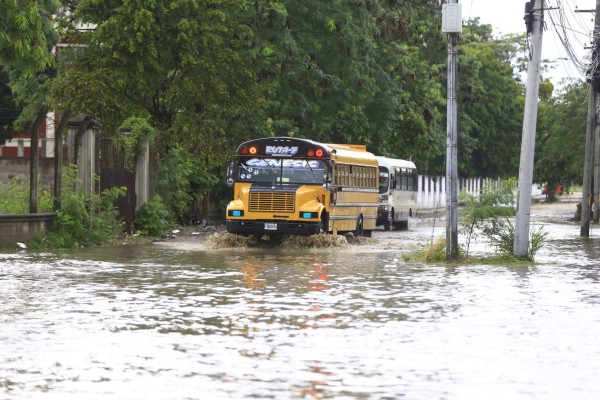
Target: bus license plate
270 226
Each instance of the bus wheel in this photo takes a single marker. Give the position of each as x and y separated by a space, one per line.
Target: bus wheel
276 239
392 222
359 227
387 225
324 226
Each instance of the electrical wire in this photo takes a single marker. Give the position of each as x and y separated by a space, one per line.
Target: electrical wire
566 34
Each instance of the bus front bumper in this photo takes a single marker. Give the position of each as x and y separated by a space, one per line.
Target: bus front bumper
272 227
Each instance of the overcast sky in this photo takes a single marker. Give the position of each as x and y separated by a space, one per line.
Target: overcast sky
506 16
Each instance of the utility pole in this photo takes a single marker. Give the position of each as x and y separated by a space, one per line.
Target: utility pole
588 164
534 20
452 25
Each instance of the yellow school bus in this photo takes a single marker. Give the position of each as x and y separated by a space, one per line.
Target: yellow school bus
286 185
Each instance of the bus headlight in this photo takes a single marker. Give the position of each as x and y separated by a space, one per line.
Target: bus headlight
235 213
308 215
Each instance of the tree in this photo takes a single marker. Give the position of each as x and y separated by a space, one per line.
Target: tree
561 137
408 113
181 64
9 109
354 73
491 103
27 36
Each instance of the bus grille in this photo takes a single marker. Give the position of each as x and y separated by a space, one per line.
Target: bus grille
281 202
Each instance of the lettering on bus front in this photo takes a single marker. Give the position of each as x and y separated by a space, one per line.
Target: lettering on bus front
276 170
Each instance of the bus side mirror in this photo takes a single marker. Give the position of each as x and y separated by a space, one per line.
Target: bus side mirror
229 180
328 173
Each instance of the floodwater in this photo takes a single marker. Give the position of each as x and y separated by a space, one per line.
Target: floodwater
191 322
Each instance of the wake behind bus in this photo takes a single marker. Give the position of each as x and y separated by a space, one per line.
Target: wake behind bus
286 185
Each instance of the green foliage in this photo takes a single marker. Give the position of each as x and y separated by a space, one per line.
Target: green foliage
183 178
27 35
14 198
152 218
135 132
173 61
496 200
491 103
84 220
502 235
560 144
434 252
9 110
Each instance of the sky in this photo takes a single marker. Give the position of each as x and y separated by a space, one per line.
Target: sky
506 16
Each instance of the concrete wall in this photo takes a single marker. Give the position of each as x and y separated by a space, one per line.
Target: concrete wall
23 227
19 167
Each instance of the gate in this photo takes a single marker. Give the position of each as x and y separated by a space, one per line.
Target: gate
113 171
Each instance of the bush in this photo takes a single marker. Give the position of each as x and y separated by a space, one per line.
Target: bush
183 178
434 252
152 218
83 220
502 235
494 202
14 198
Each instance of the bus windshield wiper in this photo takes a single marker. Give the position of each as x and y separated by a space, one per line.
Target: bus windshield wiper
311 170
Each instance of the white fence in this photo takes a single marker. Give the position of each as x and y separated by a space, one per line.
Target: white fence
432 189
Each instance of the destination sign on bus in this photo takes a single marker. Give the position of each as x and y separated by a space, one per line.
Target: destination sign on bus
282 150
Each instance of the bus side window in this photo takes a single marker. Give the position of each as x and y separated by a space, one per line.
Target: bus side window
344 175
404 179
413 180
398 178
361 176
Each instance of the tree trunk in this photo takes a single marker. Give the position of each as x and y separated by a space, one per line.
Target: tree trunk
58 157
35 160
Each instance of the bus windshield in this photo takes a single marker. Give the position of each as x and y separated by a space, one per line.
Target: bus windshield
284 171
384 180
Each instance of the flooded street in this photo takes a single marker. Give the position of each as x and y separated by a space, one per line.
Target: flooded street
191 322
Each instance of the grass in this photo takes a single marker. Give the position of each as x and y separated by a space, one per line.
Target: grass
435 253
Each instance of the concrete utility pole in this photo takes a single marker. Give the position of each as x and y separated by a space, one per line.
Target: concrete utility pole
588 164
452 24
534 19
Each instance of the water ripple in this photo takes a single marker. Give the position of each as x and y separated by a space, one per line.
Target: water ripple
153 323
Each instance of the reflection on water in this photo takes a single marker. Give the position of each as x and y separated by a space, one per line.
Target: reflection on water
149 322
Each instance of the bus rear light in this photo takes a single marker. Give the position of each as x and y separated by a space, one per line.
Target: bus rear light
319 153
244 150
252 150
310 153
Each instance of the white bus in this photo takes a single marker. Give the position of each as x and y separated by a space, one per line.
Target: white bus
398 182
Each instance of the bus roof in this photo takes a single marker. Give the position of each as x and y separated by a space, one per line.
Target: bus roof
297 147
351 153
394 162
